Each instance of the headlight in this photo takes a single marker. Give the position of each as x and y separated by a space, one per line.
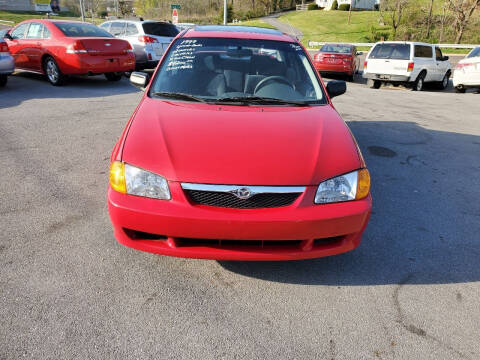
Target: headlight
131 180
351 186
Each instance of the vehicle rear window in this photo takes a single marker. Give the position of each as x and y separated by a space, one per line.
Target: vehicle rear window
160 29
474 53
391 51
340 49
422 51
81 30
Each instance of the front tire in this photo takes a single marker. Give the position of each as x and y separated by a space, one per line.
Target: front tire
3 80
53 73
115 76
374 84
443 85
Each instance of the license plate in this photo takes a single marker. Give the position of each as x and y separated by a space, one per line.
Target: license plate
383 77
158 52
332 61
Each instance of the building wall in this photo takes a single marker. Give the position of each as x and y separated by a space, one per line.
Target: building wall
359 4
19 5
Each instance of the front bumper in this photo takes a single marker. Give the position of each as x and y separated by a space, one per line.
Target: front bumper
299 231
387 77
7 65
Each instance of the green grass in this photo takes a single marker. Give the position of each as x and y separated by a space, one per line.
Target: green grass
331 26
257 23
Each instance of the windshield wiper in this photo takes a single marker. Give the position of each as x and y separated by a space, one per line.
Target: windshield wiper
179 96
259 100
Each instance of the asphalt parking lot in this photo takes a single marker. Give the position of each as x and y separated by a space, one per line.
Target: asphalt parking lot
68 290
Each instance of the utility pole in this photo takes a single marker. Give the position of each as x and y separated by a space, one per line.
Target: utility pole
350 11
224 12
82 10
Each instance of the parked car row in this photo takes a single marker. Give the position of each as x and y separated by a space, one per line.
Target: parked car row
59 48
412 64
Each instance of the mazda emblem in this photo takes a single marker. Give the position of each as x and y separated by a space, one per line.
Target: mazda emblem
242 193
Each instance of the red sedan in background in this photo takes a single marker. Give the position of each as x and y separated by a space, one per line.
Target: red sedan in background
338 59
236 152
59 48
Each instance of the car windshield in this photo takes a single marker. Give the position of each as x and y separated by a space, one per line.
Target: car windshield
474 53
160 29
391 51
81 30
340 49
238 71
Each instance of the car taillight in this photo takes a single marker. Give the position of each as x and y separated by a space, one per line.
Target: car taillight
76 47
147 39
365 64
4 48
463 65
347 60
411 65
129 49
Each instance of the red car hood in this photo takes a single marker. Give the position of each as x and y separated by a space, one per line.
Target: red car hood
240 145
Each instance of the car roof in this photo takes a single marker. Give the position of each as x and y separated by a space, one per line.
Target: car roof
137 21
237 32
406 43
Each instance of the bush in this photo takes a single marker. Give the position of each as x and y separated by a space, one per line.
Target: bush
312 6
344 7
335 5
102 14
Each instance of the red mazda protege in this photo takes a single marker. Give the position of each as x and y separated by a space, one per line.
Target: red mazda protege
236 152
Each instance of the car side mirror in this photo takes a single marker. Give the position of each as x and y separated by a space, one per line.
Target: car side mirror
139 80
336 88
445 58
8 36
359 53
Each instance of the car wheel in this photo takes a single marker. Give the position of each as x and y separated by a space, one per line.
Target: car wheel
3 80
53 73
374 84
460 89
419 83
115 76
443 85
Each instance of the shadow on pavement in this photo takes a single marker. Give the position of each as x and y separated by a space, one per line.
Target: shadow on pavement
25 86
425 223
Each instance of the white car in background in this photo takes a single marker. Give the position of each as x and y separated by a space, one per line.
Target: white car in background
467 72
149 38
407 63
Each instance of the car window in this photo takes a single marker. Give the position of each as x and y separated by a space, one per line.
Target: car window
215 68
160 29
391 51
81 30
46 33
438 54
19 31
35 31
131 30
117 28
474 53
422 51
340 49
105 26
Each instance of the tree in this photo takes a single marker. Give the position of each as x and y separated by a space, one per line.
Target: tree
462 11
392 12
429 20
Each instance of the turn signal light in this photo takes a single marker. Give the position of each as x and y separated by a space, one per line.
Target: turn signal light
117 177
411 65
4 48
365 64
363 184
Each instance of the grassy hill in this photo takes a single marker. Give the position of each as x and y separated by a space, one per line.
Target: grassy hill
19 16
331 26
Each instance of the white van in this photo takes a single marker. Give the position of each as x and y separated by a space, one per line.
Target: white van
408 63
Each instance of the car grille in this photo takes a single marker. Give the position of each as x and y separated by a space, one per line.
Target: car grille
228 200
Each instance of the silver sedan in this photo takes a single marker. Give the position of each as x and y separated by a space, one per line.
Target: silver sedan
7 63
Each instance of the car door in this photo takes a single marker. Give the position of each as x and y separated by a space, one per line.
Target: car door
17 43
441 64
33 46
424 60
131 35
